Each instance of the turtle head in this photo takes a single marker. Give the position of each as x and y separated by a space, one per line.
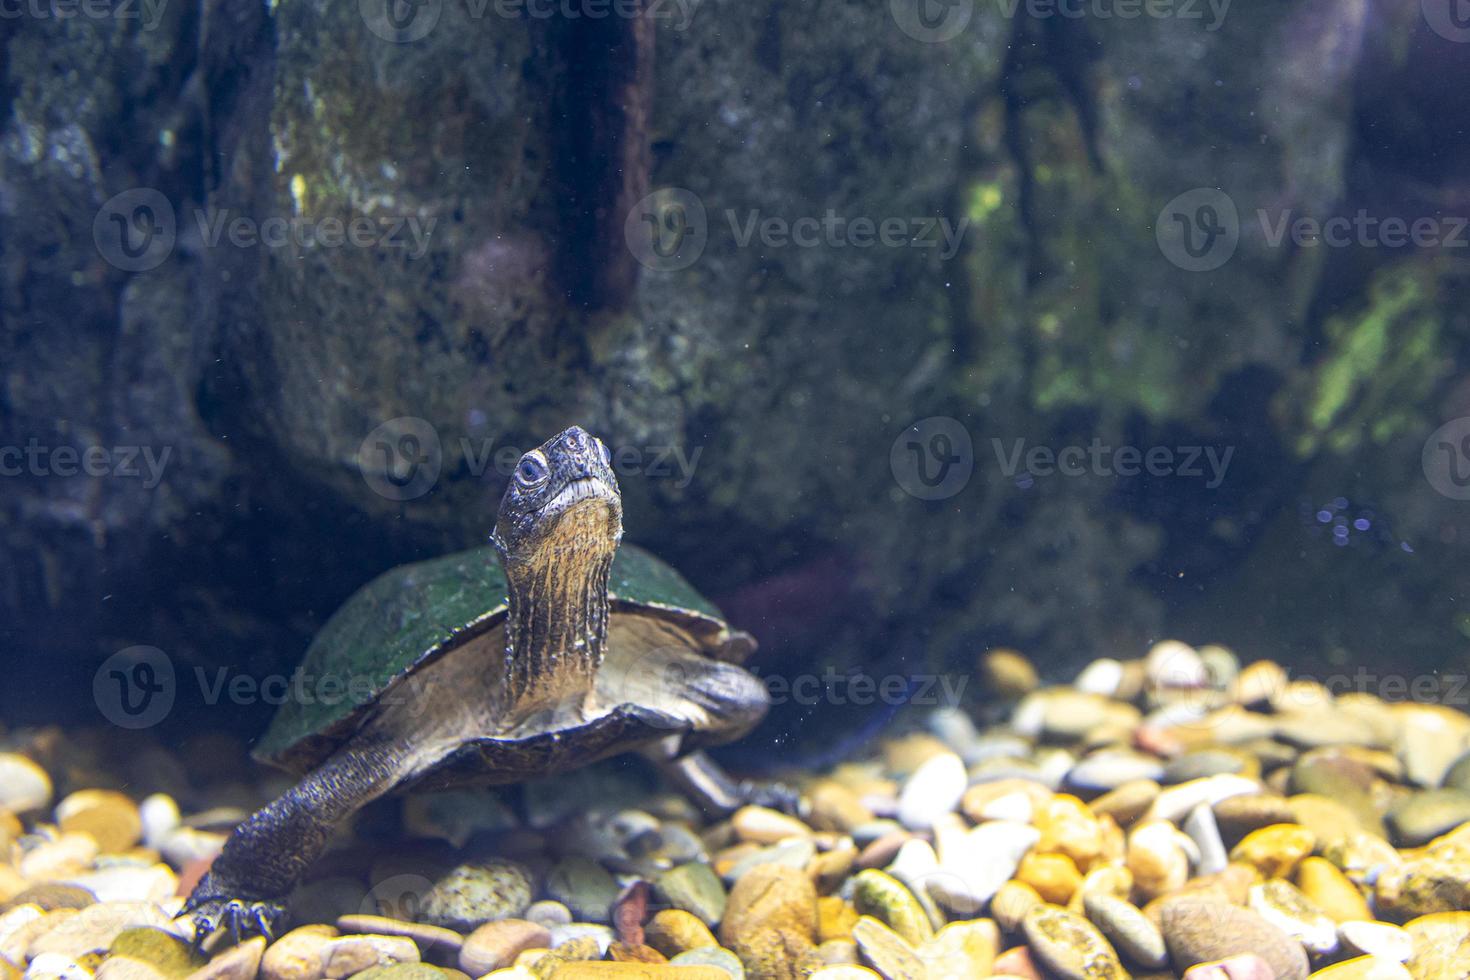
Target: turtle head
563 501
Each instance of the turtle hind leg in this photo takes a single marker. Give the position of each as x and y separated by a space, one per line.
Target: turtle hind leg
245 889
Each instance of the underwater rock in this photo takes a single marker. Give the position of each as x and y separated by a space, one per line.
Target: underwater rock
1198 931
472 894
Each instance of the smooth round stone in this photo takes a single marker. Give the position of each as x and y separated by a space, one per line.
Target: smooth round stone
1155 858
1458 774
472 894
1008 673
1174 664
1126 804
933 790
1315 729
1011 903
1331 890
1054 876
1330 820
673 931
97 926
24 786
1246 966
954 728
1102 677
1203 763
1174 802
1276 850
1378 939
770 897
845 971
54 966
109 816
796 853
836 807
973 866
1260 683
1200 930
298 955
1221 664
425 936
236 963
586 940
762 825
962 949
1417 819
1069 946
1430 739
1441 944
1128 929
166 952
402 971
1015 806
1366 968
584 886
497 944
51 896
885 951
1284 906
1111 768
548 913
885 898
349 955
695 888
129 883
159 816
1237 816
711 956
1422 887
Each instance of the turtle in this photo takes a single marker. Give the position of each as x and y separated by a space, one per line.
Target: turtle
550 648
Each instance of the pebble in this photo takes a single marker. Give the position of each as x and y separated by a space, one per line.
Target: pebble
1441 945
426 937
1276 850
1016 962
675 931
887 899
1380 939
1112 768
1284 906
97 926
1420 817
1069 946
403 971
1103 677
1011 903
1457 776
348 955
472 894
1155 858
835 807
496 945
581 934
109 816
770 897
845 971
1199 931
962 949
50 896
1259 684
584 886
54 966
548 913
1008 673
125 883
24 786
714 956
1131 932
1330 890
885 951
59 857
762 825
932 790
1246 966
694 887
298 955
1422 887
1054 876
236 963
974 865
1126 804
1201 827
1365 968
1174 802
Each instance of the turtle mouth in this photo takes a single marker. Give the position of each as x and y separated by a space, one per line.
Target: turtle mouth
581 495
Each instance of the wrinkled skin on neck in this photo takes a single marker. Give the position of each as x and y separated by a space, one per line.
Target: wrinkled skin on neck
559 526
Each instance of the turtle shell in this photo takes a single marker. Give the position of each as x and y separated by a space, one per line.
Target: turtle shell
415 613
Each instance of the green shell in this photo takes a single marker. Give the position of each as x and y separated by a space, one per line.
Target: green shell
415 612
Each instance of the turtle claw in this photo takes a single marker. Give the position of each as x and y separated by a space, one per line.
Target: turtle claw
775 796
211 907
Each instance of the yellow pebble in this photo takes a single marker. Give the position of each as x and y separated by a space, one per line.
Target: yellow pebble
1054 876
1331 891
1276 850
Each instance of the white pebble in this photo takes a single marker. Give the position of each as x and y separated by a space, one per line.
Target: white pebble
934 789
973 866
1175 802
55 966
160 816
1204 831
24 786
1379 939
1103 676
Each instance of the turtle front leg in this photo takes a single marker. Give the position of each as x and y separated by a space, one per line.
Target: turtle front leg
716 792
246 887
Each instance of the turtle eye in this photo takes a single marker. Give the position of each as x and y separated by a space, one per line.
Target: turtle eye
606 453
532 471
